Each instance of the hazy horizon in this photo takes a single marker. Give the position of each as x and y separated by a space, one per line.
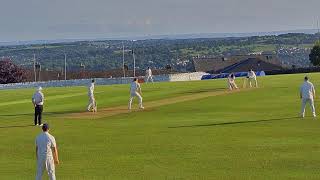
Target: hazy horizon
95 19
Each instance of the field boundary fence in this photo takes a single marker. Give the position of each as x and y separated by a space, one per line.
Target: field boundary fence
104 81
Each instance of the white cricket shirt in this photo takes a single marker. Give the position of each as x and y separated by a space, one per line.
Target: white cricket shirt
231 79
307 90
38 98
251 74
148 72
45 142
134 87
91 89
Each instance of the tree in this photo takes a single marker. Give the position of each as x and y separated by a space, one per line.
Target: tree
315 54
11 73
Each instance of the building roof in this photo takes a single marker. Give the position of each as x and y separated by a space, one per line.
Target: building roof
221 64
212 64
251 63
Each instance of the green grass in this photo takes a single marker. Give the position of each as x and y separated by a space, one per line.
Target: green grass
246 135
263 47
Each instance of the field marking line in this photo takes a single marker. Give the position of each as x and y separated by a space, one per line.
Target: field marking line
112 111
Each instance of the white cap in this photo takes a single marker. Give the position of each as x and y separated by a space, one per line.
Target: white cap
39 88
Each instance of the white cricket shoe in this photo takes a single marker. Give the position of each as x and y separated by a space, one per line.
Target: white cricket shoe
141 107
41 125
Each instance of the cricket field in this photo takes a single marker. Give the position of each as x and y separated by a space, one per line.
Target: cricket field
188 130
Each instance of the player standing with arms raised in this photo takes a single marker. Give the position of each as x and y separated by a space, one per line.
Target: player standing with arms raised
135 91
307 93
92 101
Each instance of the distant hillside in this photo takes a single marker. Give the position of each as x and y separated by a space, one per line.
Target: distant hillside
228 35
293 48
172 36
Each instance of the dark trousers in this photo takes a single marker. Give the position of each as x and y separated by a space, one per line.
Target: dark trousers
38 114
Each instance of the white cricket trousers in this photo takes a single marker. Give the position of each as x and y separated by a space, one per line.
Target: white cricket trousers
92 103
304 103
254 80
149 78
232 85
48 163
135 94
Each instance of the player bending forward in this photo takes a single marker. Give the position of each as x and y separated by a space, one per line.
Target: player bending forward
92 106
307 93
135 90
231 82
149 75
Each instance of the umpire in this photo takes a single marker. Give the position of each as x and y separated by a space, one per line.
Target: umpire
37 100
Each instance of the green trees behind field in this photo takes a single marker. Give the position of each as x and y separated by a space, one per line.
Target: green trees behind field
156 53
315 54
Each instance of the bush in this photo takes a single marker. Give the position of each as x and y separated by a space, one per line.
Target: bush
315 54
11 73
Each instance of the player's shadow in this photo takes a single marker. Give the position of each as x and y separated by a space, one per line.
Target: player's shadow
233 123
61 112
44 113
17 126
14 115
203 91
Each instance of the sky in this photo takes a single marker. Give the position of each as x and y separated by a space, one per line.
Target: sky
22 20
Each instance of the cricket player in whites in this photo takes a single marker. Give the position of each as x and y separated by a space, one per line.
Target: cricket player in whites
252 77
46 153
37 101
92 105
135 91
149 75
307 93
231 82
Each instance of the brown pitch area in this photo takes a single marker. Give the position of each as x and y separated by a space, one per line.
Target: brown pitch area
112 111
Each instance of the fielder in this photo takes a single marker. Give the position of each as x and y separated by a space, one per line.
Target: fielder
149 75
252 77
231 82
307 93
135 91
92 106
37 101
46 153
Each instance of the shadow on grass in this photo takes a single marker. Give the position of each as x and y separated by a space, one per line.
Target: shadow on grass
232 123
203 91
18 126
45 113
14 115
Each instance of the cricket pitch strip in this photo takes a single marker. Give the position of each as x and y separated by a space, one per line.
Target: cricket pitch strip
112 111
